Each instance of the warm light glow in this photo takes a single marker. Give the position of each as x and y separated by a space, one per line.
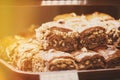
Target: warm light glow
14 20
2 76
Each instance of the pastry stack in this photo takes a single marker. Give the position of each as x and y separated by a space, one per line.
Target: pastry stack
70 42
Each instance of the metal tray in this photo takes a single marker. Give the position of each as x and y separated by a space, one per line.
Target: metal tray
98 74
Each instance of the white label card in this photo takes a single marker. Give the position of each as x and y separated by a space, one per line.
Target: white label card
59 75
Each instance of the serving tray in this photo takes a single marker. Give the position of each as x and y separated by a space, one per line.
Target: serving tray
98 74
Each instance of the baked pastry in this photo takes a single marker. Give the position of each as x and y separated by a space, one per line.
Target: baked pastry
93 37
68 42
106 21
38 64
53 61
64 16
117 44
5 43
100 16
21 54
58 38
70 34
89 59
111 55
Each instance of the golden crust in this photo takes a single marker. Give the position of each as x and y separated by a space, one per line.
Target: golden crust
64 16
99 15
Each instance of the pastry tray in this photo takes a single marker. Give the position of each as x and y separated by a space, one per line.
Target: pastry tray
98 74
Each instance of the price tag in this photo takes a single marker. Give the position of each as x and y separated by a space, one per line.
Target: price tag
59 75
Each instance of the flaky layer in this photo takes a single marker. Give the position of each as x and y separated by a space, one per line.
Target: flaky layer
58 38
53 61
111 55
93 37
22 54
69 32
89 60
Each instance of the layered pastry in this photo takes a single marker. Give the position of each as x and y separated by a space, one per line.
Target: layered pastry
53 61
83 22
74 32
21 54
93 37
106 21
68 42
5 43
38 64
58 38
7 46
64 16
88 59
111 55
117 44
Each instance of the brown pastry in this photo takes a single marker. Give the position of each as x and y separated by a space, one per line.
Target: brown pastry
93 37
113 36
64 16
106 21
117 44
99 15
22 54
68 39
38 64
57 38
111 55
54 61
89 60
67 33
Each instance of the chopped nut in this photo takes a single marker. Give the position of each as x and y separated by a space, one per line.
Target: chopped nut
101 31
58 65
60 42
72 66
81 66
63 44
94 61
95 32
63 65
69 62
99 60
87 62
53 67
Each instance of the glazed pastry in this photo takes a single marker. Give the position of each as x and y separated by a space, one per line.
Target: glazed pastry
93 37
117 44
69 42
23 50
98 15
106 21
70 35
38 64
111 55
64 16
54 61
89 60
57 38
